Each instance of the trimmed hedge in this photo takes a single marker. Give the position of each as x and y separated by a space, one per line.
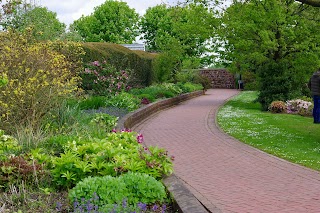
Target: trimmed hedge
139 62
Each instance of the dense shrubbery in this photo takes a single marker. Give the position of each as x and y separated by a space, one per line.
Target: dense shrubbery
38 78
140 63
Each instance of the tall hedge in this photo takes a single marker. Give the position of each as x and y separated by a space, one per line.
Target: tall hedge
139 62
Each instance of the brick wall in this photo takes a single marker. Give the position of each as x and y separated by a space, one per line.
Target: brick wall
220 78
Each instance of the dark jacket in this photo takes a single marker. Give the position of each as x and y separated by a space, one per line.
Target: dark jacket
314 83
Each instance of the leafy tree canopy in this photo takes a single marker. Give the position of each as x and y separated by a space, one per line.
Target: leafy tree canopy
190 25
113 21
276 39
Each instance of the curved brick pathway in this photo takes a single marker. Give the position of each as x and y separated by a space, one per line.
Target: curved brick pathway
224 174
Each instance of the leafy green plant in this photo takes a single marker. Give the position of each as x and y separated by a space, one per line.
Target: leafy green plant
124 100
108 190
190 87
116 154
104 121
16 169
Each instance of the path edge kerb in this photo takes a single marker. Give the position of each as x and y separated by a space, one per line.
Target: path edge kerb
185 201
133 118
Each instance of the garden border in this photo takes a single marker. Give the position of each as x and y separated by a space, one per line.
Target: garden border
185 201
133 118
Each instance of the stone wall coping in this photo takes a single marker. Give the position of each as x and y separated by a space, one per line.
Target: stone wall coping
133 118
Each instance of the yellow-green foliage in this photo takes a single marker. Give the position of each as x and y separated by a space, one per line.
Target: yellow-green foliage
139 62
72 51
37 78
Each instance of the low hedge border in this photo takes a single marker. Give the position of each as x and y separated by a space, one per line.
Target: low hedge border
185 201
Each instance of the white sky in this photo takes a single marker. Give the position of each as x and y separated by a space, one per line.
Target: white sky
70 10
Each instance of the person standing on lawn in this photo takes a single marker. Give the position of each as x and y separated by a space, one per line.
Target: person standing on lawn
314 86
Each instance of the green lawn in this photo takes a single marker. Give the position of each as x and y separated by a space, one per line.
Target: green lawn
291 137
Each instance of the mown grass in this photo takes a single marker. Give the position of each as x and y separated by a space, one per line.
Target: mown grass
291 137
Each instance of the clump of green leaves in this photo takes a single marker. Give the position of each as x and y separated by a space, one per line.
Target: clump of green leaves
114 155
124 100
16 170
130 188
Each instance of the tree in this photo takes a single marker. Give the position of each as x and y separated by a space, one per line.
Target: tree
44 23
113 21
278 40
191 25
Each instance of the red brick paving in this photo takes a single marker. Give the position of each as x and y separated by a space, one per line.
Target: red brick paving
224 173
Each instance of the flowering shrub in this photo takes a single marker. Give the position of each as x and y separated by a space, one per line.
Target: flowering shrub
103 79
277 107
300 107
37 77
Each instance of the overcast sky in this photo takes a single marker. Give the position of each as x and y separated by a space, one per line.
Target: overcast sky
70 10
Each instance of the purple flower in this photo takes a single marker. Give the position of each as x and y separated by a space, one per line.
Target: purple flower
124 203
155 207
58 206
140 138
164 207
142 206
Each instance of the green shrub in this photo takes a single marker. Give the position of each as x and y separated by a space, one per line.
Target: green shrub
276 84
38 78
131 187
116 154
147 96
93 102
190 87
278 107
124 100
104 121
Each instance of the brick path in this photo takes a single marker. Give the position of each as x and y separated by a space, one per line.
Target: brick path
224 174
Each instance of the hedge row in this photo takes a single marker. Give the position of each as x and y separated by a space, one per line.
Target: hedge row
139 62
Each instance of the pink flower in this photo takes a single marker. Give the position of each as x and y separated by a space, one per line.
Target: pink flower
172 158
140 138
96 63
114 131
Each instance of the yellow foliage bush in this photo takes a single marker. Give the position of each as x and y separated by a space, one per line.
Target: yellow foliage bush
37 77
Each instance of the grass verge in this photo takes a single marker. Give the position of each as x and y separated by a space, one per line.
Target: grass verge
291 137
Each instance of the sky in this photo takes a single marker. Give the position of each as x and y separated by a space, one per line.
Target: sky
71 10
